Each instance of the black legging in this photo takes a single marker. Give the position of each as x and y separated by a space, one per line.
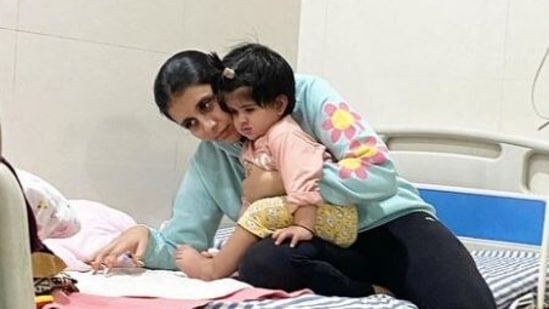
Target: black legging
414 256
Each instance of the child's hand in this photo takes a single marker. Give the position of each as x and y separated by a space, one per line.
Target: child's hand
295 233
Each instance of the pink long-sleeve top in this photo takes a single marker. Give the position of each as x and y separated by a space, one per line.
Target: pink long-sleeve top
296 155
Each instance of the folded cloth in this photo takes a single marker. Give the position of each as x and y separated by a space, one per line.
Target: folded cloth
60 281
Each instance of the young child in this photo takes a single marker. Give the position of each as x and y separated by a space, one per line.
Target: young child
258 89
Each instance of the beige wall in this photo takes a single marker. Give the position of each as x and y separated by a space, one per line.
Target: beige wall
76 76
466 64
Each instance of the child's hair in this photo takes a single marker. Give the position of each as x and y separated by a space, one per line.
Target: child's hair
184 69
256 66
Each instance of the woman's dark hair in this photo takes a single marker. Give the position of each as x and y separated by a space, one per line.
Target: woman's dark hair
256 66
184 69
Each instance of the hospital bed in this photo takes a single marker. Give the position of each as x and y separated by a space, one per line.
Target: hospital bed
489 189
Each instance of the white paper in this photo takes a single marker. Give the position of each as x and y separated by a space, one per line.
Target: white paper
139 282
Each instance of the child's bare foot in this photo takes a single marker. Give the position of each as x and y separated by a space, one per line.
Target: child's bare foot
193 263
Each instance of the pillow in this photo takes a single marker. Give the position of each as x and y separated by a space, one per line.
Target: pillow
99 225
54 216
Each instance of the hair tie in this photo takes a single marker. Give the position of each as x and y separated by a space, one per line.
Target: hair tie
228 73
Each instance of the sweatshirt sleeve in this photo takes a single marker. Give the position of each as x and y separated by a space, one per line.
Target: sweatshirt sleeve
210 188
362 169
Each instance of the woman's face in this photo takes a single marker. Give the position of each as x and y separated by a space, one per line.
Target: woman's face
196 109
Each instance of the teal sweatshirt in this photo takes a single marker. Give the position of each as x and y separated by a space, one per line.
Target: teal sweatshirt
362 174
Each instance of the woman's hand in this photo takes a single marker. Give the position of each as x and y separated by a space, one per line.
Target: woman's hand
133 241
260 183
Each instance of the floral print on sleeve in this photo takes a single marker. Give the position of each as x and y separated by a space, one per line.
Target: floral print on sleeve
341 120
360 157
360 151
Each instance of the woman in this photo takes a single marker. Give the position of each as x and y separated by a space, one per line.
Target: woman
400 244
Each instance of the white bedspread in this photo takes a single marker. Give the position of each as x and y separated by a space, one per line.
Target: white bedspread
139 282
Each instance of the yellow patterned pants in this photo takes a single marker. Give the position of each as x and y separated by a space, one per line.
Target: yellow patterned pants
336 224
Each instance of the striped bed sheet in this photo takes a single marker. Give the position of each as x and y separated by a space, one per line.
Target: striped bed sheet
510 274
318 302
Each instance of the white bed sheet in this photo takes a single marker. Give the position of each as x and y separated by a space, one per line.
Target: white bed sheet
139 282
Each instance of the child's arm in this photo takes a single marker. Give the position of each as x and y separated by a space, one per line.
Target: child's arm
303 227
305 217
300 159
221 265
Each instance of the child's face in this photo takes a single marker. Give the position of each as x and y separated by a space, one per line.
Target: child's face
250 119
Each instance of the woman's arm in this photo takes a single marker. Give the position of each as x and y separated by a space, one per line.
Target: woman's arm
363 170
194 220
210 188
